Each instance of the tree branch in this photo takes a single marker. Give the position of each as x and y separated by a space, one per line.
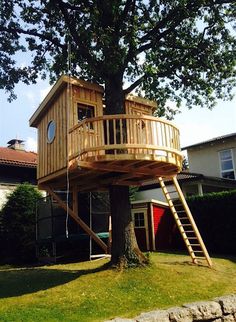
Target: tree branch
34 33
128 5
71 25
134 85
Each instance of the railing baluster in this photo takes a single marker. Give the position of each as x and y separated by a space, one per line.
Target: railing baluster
134 134
121 131
108 132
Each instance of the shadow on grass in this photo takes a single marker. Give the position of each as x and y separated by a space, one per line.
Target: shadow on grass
21 281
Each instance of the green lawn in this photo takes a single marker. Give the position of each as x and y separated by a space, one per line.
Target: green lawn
87 292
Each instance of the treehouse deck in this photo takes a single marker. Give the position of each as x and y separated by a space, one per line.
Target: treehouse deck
118 149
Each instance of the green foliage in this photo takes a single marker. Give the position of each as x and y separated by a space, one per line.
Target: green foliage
185 164
18 223
178 50
132 192
214 214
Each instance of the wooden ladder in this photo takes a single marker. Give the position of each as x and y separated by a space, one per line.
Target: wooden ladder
185 222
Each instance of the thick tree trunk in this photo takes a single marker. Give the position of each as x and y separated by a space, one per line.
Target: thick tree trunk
124 250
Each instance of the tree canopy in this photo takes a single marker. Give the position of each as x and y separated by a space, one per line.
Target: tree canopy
179 50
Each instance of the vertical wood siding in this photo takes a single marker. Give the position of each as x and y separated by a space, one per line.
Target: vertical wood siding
53 156
63 110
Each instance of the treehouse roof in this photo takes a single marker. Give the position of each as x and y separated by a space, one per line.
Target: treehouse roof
61 83
141 100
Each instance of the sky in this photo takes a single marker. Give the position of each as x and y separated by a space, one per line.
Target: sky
196 125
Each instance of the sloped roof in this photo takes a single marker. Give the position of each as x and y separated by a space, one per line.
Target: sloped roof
18 157
211 141
58 86
186 177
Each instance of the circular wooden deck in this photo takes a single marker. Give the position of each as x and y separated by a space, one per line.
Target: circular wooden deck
121 149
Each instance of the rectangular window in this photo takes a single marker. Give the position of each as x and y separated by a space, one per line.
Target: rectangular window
84 111
227 164
139 220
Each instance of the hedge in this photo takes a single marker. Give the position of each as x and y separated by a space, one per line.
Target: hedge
215 216
17 233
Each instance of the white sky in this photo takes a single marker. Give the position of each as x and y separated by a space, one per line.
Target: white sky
196 125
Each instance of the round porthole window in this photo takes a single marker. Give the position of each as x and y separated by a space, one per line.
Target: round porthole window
51 131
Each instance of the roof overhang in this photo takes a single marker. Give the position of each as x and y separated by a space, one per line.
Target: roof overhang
62 82
219 139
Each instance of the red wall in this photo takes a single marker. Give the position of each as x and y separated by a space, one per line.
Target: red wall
163 227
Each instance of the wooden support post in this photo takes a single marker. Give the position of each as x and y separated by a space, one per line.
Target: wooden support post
77 219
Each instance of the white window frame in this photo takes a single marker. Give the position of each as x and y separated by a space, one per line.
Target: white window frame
145 212
144 219
232 159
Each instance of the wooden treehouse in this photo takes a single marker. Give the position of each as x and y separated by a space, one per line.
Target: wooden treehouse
82 149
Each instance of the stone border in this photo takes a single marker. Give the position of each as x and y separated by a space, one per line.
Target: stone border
221 309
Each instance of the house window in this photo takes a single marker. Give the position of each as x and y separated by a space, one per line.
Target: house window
51 131
139 220
227 164
84 111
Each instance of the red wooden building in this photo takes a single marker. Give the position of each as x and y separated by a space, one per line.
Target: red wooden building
154 224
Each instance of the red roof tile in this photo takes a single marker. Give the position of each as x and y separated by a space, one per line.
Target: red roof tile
18 157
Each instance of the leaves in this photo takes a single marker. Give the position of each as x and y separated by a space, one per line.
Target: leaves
18 222
182 50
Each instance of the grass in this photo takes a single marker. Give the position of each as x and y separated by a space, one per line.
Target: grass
88 292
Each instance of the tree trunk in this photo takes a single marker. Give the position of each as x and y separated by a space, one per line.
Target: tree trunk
124 251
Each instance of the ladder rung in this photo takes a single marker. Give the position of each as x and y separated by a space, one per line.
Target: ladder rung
183 219
200 257
191 238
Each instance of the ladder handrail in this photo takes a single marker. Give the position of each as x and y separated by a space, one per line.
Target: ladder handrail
192 221
181 225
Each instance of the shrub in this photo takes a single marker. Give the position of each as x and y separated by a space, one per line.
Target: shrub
18 224
215 216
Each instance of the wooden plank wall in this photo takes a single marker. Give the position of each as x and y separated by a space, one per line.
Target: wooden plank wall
85 96
53 156
132 107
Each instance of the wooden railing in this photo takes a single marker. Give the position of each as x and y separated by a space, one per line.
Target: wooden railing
123 134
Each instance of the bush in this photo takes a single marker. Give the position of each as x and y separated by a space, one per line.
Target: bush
215 217
18 224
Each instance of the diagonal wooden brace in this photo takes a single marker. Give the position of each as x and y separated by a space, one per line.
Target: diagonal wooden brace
79 221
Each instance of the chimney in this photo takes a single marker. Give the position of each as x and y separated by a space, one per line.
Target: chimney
16 144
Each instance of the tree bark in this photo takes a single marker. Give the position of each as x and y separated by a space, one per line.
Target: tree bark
124 250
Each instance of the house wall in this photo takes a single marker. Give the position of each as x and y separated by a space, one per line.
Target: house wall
156 194
53 156
63 110
5 190
205 159
138 105
91 96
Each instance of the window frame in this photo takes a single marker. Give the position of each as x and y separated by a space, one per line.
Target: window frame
229 159
50 140
134 219
85 106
